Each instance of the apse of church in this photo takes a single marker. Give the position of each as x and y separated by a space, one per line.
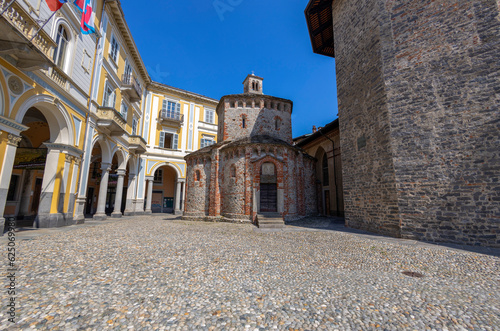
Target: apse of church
253 169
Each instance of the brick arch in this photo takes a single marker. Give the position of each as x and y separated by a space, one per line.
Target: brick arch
277 163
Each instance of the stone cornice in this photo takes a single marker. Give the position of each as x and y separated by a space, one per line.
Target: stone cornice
62 147
159 88
7 123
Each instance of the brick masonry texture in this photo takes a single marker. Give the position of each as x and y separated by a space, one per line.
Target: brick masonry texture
229 186
419 90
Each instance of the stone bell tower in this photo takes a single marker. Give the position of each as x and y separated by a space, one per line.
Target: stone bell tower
253 85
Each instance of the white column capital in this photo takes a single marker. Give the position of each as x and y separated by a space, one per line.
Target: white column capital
13 140
121 172
105 166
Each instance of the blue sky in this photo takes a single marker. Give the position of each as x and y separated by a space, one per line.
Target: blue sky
209 47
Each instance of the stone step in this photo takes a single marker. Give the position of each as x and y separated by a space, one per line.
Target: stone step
270 221
271 226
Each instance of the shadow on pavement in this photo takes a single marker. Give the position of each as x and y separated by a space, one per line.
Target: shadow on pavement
338 224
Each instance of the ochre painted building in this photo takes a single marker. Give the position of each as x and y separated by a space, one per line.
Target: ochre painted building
83 129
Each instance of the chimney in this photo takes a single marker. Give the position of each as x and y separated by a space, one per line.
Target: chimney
314 128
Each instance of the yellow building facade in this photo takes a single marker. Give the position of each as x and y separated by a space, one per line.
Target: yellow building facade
84 132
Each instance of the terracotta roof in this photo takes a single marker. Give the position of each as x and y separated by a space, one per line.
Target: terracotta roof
320 24
318 134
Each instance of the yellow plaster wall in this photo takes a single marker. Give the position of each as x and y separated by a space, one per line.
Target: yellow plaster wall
168 185
5 94
68 191
3 146
57 183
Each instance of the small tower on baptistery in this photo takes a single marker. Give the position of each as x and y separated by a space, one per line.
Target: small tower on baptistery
253 84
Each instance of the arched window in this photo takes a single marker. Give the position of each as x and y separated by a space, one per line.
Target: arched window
62 40
277 124
233 171
326 180
240 104
243 122
197 175
257 86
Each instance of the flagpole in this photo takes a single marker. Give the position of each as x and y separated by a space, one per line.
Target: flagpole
8 6
44 24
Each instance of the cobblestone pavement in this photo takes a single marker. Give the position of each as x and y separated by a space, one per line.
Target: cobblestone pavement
149 273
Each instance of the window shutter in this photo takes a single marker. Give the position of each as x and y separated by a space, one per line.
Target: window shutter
162 140
113 97
176 141
178 108
105 99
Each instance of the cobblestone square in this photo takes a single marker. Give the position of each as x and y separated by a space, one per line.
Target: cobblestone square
161 273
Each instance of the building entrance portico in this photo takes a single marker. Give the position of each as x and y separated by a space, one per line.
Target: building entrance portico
39 165
165 191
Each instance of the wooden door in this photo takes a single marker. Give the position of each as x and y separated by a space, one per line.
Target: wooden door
268 198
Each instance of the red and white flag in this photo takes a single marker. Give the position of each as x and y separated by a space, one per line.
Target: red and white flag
55 5
88 15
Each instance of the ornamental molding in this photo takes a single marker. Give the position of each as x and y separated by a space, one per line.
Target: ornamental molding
11 126
65 148
13 140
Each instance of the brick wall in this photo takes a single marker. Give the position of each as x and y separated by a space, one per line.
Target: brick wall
419 92
197 197
370 195
260 113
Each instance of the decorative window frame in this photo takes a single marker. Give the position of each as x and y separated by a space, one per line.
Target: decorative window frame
114 61
70 48
212 116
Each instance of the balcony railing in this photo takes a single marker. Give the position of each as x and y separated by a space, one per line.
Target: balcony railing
137 144
110 120
173 117
21 38
131 86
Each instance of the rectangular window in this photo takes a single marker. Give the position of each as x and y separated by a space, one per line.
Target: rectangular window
206 141
168 140
171 110
109 97
114 49
11 194
124 110
134 126
209 116
158 176
127 76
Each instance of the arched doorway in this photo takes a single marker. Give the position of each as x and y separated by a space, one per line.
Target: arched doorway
323 176
40 166
25 188
164 190
268 188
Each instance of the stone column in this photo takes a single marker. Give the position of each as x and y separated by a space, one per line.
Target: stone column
183 195
48 215
117 213
24 208
103 191
6 172
129 204
177 209
149 197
